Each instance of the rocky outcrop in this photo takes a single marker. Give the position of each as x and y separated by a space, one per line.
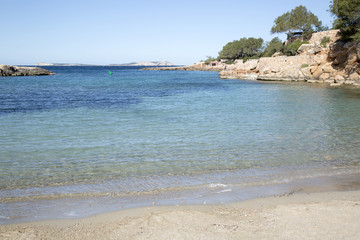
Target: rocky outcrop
336 63
269 68
7 70
319 61
194 67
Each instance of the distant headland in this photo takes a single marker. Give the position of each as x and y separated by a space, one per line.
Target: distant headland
143 63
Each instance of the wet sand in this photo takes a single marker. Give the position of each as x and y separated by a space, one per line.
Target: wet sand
327 215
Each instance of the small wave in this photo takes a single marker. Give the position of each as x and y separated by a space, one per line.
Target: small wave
225 190
71 214
217 185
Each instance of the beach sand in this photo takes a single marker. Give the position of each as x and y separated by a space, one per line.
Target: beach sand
327 215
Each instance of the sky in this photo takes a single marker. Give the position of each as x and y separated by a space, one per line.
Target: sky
116 31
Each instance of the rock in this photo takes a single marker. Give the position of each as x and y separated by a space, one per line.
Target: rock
317 73
313 68
337 53
353 58
324 76
309 49
277 54
317 49
337 63
327 68
349 82
329 81
333 35
335 49
231 67
314 81
7 70
306 71
354 76
339 78
251 64
266 71
340 59
320 59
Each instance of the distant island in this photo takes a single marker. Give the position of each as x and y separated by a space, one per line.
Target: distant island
144 63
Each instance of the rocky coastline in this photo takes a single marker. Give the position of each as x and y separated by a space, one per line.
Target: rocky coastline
7 70
335 63
195 67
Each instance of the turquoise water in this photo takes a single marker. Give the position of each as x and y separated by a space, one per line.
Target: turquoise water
82 142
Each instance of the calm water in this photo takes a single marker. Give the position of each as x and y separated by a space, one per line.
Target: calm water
81 142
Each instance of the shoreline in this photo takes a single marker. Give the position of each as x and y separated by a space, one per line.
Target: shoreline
303 215
48 206
227 72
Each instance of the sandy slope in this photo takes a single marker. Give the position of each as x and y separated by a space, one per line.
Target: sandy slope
333 215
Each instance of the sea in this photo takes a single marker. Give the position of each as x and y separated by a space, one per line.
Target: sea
83 141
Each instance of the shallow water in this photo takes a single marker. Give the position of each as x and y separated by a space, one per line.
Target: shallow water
82 142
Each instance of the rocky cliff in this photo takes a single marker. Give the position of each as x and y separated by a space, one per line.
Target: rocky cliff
333 62
336 63
7 70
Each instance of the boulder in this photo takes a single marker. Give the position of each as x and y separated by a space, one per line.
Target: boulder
324 76
277 54
309 49
333 35
339 78
306 71
354 76
336 49
327 68
349 82
251 64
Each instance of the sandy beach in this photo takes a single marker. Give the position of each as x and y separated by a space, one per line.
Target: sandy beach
327 215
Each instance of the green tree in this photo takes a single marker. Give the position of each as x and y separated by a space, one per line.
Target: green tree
252 46
231 50
348 18
275 45
245 47
291 49
298 19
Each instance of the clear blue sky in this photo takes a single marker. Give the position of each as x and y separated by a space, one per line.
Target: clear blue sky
110 31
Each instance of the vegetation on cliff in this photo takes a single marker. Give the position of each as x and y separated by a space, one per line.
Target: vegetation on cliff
275 45
347 13
299 20
240 49
296 22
